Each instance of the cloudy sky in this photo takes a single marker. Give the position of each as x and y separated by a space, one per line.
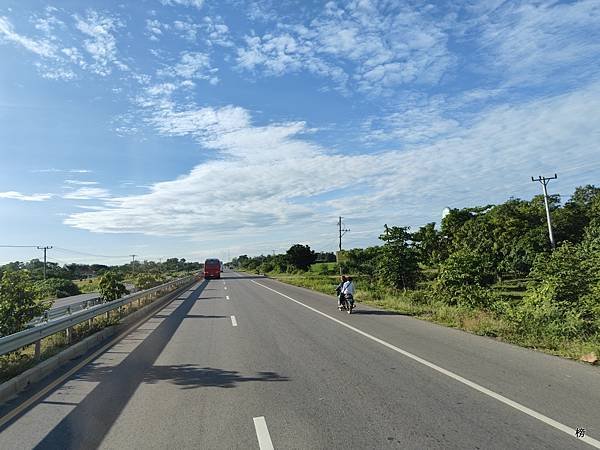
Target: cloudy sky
198 128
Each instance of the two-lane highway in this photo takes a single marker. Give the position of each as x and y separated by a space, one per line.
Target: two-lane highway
246 362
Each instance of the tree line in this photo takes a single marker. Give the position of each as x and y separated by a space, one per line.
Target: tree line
26 294
476 248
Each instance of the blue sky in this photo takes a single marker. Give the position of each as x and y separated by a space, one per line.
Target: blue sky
195 128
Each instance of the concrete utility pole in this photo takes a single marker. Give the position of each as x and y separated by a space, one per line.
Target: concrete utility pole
544 181
45 249
341 231
133 263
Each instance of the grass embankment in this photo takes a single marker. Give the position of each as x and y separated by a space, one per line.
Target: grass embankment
418 304
88 285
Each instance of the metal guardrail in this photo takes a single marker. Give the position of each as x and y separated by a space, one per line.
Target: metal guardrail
33 335
60 311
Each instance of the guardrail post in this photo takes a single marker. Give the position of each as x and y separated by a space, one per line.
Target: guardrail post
69 334
37 349
46 316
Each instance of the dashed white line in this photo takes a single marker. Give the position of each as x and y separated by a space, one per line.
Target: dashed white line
227 297
530 412
225 288
262 433
233 321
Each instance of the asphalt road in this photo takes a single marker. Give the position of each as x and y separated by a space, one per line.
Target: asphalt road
289 370
66 301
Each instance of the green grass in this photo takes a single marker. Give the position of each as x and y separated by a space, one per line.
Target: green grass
89 285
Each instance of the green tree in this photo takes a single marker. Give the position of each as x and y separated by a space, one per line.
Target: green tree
55 288
466 267
398 262
563 300
362 261
148 280
430 245
300 256
18 304
111 286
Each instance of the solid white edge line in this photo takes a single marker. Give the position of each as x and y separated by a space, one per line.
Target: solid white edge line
262 433
233 321
530 412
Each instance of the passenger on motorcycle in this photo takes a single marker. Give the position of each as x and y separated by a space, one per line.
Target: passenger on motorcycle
338 291
348 293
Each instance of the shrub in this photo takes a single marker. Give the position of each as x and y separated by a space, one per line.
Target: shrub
111 287
18 303
55 288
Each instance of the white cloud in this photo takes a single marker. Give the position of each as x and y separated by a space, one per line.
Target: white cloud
271 182
534 42
194 3
81 183
14 195
417 120
155 27
101 45
87 193
42 47
376 46
55 170
192 65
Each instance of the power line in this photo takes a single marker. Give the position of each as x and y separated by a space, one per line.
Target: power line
90 254
544 182
19 246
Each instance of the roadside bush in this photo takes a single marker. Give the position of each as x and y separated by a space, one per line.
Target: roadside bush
55 288
563 301
466 267
18 303
111 286
148 280
468 296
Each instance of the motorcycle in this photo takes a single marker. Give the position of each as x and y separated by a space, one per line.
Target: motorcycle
346 303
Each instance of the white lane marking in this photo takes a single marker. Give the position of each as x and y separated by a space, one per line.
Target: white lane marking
262 433
536 415
227 297
233 321
225 288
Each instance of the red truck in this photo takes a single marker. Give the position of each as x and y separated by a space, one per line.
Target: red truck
212 268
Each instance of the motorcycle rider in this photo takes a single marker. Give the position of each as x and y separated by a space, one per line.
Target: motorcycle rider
348 293
338 291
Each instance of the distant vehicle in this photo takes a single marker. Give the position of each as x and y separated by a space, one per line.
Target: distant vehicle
212 268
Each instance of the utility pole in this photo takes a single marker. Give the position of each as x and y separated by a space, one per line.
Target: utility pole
133 263
544 182
45 249
341 232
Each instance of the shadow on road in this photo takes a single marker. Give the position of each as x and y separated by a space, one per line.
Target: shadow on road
377 312
190 376
89 422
